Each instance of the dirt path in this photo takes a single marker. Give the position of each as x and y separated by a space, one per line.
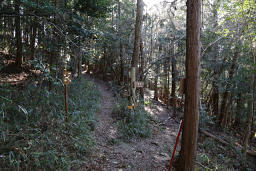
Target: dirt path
139 154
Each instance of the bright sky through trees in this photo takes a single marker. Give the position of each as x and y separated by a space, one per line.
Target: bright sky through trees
151 3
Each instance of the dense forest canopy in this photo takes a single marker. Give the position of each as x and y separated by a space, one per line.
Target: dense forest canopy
177 50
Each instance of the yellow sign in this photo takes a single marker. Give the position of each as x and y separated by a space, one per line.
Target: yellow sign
133 106
66 77
129 107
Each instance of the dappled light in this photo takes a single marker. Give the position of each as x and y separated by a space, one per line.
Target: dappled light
127 85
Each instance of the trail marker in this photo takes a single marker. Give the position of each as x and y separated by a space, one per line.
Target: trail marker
66 77
177 141
138 84
66 81
133 106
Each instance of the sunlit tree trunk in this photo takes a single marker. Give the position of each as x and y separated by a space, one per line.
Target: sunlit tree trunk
33 39
136 47
187 157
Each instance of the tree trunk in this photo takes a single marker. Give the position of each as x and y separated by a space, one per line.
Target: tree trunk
141 68
239 106
120 44
79 62
32 40
173 93
191 112
156 82
19 58
226 94
136 47
215 89
166 88
168 80
157 71
251 112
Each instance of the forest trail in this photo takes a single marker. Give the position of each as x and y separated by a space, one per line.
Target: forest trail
112 153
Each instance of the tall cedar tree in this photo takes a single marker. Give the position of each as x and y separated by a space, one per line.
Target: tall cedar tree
186 161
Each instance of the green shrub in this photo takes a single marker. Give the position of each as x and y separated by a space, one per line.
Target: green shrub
34 133
131 123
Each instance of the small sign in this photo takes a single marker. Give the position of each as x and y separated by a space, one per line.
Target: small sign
139 84
130 107
133 106
182 86
66 77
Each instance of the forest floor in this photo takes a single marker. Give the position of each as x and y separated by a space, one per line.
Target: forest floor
153 153
112 153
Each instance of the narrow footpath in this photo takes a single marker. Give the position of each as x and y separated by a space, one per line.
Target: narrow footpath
112 153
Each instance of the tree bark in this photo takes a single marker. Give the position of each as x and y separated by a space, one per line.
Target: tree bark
157 76
251 112
174 71
166 88
120 44
226 94
239 106
141 68
156 82
19 58
136 47
215 90
168 80
33 40
191 112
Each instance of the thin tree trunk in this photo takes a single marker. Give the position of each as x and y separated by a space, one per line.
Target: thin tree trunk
174 71
226 94
79 62
168 80
191 112
19 58
156 82
157 71
166 88
33 40
228 116
120 44
141 68
239 107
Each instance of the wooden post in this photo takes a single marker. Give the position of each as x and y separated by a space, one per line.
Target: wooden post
66 81
133 79
66 103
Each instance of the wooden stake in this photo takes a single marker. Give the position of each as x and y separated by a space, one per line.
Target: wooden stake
66 103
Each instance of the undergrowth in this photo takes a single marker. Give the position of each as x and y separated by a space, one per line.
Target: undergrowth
131 123
34 135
